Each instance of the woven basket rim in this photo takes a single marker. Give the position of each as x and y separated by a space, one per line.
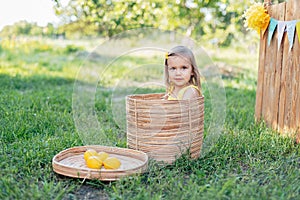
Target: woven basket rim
79 171
134 97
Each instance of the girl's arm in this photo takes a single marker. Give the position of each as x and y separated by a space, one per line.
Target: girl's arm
191 93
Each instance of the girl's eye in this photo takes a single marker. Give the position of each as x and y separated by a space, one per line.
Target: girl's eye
172 68
184 67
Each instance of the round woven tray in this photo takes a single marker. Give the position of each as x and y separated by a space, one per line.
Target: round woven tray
164 129
70 162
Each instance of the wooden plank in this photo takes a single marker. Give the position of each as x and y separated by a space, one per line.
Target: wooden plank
262 83
263 78
260 79
290 122
272 52
280 15
266 84
283 89
294 64
266 78
269 102
289 119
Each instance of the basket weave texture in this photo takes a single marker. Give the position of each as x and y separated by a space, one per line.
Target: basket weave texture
70 162
164 129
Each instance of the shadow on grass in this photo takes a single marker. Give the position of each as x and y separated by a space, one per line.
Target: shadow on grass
35 82
34 106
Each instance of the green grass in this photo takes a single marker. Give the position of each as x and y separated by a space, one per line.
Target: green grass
249 161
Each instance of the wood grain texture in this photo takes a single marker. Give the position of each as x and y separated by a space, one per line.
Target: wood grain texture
278 90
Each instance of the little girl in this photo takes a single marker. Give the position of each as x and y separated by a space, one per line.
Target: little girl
182 76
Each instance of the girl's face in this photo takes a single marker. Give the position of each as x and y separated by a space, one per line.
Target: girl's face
180 71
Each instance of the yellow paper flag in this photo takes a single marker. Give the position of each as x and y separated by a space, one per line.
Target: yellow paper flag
298 30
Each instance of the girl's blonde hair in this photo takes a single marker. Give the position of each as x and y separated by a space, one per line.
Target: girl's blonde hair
187 54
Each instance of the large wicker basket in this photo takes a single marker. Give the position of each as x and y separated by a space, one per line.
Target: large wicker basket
164 129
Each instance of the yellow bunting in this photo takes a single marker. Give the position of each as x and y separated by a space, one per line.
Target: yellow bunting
298 30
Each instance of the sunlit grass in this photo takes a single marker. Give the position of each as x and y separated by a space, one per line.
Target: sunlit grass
249 161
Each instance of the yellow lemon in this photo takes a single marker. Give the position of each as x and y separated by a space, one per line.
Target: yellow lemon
94 162
111 163
102 155
88 153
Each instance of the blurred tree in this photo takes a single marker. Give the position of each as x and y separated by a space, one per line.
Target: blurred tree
19 28
34 30
204 19
28 29
23 27
49 30
110 17
7 31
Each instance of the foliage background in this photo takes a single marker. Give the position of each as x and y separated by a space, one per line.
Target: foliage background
217 21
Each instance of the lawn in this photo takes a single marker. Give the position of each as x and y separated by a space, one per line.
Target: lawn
248 161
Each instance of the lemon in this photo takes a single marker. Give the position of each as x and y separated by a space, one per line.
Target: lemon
111 163
102 155
94 162
88 153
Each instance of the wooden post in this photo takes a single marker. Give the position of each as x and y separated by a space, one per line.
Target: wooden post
261 72
267 2
278 89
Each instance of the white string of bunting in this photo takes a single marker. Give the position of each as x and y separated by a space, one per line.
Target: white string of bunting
284 26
